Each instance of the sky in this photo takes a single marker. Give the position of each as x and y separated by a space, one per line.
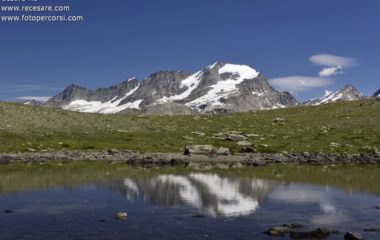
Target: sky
305 47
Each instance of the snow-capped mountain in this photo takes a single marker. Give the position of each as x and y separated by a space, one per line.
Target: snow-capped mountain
221 86
377 93
347 93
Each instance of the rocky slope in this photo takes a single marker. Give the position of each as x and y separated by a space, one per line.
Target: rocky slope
347 93
219 87
377 93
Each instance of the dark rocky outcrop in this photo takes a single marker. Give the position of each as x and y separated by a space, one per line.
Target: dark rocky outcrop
377 93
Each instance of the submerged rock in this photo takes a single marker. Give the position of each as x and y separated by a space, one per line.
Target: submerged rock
277 231
121 216
353 236
318 234
292 225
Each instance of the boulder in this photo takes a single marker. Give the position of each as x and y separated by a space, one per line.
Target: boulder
247 149
236 137
223 151
244 143
278 120
353 236
199 149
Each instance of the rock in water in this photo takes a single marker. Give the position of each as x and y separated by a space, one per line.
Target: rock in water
353 236
121 216
277 231
315 234
292 225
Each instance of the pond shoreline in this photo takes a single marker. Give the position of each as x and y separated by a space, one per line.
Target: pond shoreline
179 159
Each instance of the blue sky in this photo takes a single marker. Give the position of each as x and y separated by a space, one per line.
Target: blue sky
120 39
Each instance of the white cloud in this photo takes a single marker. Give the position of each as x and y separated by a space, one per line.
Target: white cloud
331 71
299 83
37 98
332 60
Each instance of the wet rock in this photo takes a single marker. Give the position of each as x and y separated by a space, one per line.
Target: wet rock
200 149
292 225
353 236
236 137
248 149
277 231
121 216
319 233
223 151
378 206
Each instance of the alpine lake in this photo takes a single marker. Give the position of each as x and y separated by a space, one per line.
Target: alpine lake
81 200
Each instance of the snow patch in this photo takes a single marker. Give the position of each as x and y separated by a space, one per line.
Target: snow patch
244 71
109 107
189 83
225 88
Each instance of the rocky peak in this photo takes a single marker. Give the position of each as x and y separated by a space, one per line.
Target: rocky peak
347 93
72 92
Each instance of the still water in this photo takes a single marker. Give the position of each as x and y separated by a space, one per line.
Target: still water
80 200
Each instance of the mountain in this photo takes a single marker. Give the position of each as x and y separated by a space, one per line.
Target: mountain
377 93
347 93
219 87
103 100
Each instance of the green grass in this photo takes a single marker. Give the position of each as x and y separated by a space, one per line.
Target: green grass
355 126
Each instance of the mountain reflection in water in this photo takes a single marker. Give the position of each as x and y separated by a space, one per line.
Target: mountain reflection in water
215 195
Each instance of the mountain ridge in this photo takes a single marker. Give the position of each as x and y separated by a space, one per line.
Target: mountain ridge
222 85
